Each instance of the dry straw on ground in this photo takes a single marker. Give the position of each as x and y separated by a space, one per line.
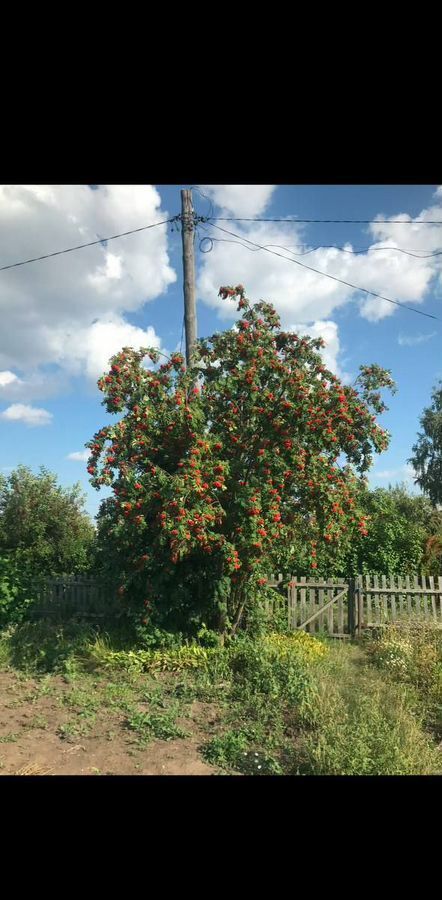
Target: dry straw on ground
33 769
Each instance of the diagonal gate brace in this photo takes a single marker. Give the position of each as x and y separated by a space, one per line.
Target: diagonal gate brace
322 608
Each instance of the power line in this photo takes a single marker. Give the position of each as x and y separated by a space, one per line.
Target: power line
195 187
210 219
89 244
327 275
333 221
415 253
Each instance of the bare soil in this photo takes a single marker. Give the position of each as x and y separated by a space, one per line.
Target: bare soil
80 727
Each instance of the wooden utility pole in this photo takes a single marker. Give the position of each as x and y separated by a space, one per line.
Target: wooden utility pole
187 231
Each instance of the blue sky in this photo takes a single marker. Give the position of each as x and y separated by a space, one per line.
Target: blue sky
63 317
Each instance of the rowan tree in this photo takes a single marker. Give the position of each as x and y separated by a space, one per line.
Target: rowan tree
213 466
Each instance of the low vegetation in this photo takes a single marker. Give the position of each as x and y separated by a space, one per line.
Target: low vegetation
273 704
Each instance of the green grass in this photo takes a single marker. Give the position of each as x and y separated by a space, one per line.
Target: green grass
232 751
78 728
336 715
37 722
10 738
361 723
162 726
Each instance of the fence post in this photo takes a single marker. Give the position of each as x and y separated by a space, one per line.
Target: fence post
351 607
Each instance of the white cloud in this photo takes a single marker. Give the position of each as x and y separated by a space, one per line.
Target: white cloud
36 385
296 293
29 415
112 270
8 378
79 455
328 331
402 473
59 310
411 340
240 199
88 350
304 296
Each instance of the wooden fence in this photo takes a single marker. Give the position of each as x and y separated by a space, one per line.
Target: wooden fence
75 597
344 608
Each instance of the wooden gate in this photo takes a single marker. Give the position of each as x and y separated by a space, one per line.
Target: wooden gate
343 609
312 604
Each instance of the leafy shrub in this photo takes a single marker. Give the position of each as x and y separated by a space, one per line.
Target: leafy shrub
277 665
41 647
303 645
187 657
16 593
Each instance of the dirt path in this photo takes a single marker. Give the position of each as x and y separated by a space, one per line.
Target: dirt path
49 726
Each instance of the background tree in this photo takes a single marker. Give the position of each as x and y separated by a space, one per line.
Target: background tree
433 554
427 458
401 528
44 531
397 530
212 467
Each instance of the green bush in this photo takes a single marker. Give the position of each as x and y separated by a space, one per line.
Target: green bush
276 666
40 647
17 590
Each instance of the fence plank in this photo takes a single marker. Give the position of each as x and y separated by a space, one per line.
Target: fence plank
358 608
370 618
294 601
409 596
290 615
393 598
341 613
303 610
401 596
321 603
417 599
384 600
377 600
312 606
330 618
433 599
426 607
